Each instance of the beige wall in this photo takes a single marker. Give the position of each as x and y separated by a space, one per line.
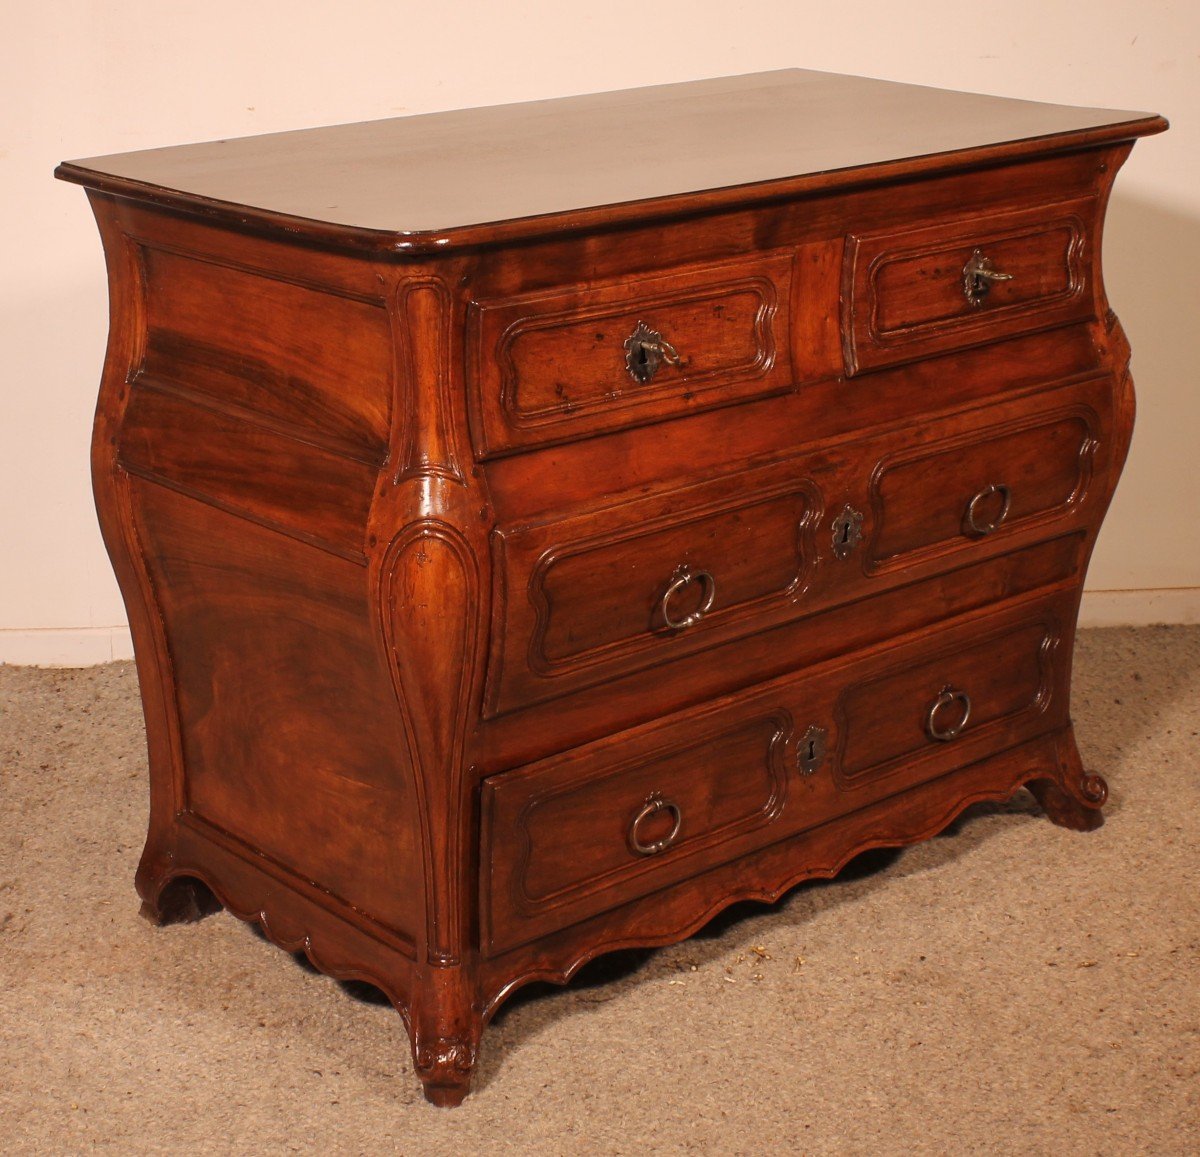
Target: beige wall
83 78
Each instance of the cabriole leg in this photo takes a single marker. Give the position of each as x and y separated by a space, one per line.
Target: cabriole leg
183 900
1073 798
446 1027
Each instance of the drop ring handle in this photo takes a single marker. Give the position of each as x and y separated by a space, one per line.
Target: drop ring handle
946 697
971 520
654 804
684 576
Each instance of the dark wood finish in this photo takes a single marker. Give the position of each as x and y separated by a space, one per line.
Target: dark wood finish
515 171
466 656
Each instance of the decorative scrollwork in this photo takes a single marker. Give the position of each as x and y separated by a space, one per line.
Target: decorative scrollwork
446 1054
978 276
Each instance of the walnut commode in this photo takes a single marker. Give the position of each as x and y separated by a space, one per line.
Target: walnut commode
543 526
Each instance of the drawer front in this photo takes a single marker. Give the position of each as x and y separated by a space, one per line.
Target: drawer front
589 827
581 833
895 721
589 599
968 489
649 580
911 294
563 364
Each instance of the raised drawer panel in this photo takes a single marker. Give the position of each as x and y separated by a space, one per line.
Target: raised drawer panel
668 575
552 366
589 824
962 490
584 832
889 720
908 295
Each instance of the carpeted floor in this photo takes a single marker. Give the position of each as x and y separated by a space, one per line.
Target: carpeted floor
1008 988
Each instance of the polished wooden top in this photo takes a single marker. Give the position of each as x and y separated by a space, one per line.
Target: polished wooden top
486 174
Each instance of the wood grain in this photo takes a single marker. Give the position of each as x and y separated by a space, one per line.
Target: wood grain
401 539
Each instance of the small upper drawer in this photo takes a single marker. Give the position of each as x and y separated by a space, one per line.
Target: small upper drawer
566 363
907 295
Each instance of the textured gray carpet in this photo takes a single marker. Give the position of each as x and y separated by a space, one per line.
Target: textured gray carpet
1010 987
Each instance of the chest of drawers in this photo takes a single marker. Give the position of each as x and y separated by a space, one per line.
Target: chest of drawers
544 526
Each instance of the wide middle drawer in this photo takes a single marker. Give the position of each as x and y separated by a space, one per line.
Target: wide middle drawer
599 594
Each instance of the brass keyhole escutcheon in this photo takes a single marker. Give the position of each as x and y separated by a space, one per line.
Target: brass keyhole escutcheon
979 274
645 351
810 751
847 530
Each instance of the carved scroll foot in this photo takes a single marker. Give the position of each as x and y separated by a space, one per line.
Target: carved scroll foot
445 1062
1067 811
1074 799
446 1027
183 900
445 1066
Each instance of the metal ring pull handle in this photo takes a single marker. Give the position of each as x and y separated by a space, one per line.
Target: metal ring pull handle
684 576
971 520
978 276
948 696
645 351
653 805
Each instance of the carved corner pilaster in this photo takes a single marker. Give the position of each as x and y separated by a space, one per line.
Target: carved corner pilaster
1116 343
430 575
1124 397
430 601
430 586
423 327
446 1023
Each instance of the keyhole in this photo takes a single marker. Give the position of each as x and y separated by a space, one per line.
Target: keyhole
811 750
847 531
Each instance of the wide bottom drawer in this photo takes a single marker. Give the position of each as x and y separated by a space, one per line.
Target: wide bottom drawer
587 830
